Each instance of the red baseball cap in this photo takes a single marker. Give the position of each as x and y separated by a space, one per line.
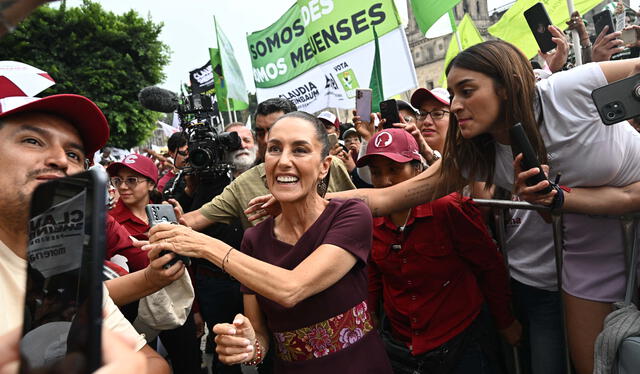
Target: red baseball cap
439 94
81 112
396 144
138 163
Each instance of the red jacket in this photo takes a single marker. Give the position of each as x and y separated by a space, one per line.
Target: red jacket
132 226
436 275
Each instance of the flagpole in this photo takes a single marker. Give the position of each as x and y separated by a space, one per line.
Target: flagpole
229 110
577 51
454 27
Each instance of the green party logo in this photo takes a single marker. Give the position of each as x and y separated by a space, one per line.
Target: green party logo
349 82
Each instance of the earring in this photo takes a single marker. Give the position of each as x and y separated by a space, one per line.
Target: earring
322 187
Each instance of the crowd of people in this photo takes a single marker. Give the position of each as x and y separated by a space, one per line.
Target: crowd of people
356 248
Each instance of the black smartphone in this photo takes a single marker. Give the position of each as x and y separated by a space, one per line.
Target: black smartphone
602 19
163 213
389 111
63 302
539 22
520 144
618 101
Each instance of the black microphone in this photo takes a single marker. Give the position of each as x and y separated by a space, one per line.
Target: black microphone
158 99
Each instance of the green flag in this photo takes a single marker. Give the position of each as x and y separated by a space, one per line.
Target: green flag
230 69
469 36
221 89
514 29
375 83
427 12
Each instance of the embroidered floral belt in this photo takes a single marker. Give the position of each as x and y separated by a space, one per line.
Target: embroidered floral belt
324 337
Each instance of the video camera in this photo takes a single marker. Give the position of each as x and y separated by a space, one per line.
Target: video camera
199 119
207 145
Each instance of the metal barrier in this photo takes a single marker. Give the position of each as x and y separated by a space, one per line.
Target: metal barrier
629 226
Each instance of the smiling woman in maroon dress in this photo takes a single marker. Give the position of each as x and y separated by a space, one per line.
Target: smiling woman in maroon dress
303 273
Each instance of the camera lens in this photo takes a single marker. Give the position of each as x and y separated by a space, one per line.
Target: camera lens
199 158
611 115
636 91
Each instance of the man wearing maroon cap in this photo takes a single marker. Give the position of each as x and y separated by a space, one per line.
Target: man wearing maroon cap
432 283
40 140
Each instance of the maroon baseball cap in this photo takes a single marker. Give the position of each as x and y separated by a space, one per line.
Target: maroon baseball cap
138 163
396 144
81 112
421 94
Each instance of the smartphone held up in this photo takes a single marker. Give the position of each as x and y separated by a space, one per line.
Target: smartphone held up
63 302
539 22
363 103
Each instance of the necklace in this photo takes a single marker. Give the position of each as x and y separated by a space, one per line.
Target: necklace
404 225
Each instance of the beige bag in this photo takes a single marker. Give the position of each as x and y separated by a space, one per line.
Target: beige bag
165 309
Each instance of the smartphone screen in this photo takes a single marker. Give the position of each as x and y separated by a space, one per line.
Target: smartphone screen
363 103
539 22
63 302
602 19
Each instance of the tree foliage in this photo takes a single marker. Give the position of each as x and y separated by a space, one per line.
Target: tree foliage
98 54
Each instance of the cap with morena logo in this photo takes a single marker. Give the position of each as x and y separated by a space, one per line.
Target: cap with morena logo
393 143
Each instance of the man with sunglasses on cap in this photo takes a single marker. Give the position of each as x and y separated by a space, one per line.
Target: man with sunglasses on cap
43 139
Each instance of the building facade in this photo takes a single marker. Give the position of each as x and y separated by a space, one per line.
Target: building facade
428 53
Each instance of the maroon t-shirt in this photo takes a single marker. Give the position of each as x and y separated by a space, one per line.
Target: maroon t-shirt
348 225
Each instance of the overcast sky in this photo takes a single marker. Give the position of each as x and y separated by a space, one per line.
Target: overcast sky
189 31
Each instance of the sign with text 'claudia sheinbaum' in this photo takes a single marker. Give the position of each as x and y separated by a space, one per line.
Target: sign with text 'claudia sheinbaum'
320 51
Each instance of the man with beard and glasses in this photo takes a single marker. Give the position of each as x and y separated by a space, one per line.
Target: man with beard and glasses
244 158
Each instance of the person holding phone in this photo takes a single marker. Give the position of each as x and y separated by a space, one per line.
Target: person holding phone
44 139
462 266
493 87
135 177
303 273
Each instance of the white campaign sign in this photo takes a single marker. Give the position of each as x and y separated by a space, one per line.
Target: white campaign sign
56 237
333 84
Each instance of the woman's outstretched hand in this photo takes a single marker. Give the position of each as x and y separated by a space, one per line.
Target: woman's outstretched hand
262 206
235 341
179 239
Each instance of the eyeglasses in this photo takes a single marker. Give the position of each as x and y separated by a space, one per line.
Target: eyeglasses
131 182
183 153
435 115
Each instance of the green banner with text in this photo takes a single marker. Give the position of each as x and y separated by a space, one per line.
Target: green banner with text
312 32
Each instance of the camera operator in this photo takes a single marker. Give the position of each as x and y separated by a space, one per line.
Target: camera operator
219 294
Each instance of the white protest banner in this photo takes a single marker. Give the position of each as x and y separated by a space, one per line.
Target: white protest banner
320 51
